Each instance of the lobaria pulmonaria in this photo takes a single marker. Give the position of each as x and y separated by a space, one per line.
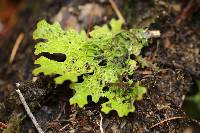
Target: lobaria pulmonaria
103 58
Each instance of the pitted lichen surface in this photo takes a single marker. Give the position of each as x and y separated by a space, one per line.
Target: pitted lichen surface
103 58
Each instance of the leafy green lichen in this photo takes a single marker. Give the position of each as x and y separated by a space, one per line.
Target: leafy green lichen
103 58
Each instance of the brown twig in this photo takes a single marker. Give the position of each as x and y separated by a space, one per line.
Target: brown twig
118 13
191 6
16 46
166 120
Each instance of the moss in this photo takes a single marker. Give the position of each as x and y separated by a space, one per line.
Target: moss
14 124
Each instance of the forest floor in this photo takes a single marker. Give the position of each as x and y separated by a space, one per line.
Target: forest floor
176 53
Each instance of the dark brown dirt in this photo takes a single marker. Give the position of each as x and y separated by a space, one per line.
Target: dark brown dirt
176 53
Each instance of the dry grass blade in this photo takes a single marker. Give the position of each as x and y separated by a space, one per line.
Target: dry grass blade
115 8
16 46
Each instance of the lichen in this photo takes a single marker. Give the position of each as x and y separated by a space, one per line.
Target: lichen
103 58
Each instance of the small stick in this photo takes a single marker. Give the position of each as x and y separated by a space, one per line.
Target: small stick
62 110
153 34
115 8
16 46
61 130
100 125
22 99
169 119
186 12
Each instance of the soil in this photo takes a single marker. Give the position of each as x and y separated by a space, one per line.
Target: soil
175 60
